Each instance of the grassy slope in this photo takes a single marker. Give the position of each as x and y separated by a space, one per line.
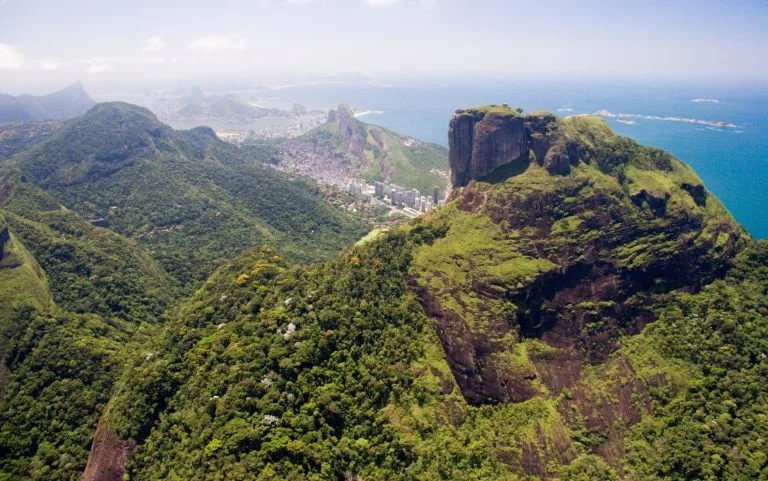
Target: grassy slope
23 282
411 166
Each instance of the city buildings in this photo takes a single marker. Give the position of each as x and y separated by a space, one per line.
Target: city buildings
410 201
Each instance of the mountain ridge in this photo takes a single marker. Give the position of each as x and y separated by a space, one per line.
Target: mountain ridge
106 223
68 102
535 327
184 194
581 308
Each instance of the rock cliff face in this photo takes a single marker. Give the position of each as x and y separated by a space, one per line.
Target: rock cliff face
483 140
4 238
350 128
108 455
495 140
573 227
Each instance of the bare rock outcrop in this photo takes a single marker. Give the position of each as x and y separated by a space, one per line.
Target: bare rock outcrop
106 461
483 140
5 237
497 141
350 128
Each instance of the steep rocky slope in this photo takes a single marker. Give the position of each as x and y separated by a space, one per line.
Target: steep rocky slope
346 148
567 249
603 321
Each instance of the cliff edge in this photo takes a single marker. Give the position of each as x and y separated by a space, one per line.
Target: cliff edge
496 140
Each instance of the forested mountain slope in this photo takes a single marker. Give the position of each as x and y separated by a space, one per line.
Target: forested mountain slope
58 367
16 137
582 309
188 197
106 223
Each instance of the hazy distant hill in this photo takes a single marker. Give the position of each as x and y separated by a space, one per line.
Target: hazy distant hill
69 102
346 148
189 105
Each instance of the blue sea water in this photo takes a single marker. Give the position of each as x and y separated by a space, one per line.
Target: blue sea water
732 161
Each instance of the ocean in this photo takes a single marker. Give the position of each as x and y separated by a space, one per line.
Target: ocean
721 131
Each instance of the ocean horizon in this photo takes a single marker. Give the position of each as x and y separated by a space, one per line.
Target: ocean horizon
720 130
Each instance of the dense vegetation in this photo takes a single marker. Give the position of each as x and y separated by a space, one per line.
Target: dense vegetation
57 371
189 198
91 269
287 374
105 222
16 137
334 371
611 323
717 428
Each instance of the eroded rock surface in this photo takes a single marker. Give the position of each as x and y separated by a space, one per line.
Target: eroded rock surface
491 142
581 233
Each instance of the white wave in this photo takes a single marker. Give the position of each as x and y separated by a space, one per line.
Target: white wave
711 123
565 110
705 100
368 112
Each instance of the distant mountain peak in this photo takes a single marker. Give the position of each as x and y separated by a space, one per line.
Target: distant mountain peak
71 101
121 109
75 87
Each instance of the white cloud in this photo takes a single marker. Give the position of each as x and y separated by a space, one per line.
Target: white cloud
153 44
381 3
213 43
50 64
97 68
10 57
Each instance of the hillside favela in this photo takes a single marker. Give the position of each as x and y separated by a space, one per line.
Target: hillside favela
383 240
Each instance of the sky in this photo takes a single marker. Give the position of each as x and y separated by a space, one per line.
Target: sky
50 43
